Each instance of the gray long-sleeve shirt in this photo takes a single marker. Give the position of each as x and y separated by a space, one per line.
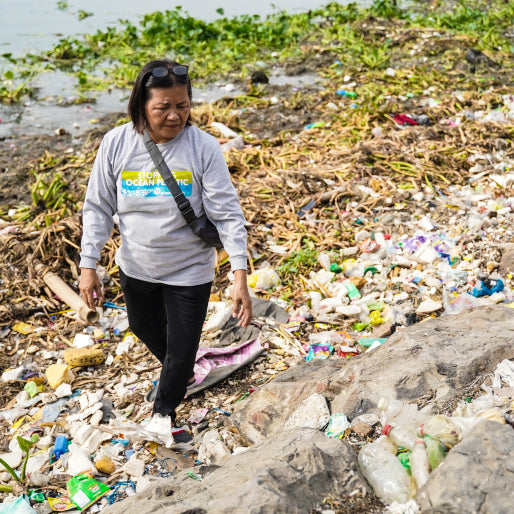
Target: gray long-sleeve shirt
157 245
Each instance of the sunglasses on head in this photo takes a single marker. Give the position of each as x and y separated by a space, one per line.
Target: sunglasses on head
179 70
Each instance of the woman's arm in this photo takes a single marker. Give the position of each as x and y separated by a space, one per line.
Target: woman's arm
97 224
242 303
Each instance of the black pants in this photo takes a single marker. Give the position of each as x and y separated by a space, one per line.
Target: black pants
168 319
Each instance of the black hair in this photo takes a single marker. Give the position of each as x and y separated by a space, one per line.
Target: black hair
145 82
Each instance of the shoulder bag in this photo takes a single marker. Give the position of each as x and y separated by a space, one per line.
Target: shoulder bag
202 226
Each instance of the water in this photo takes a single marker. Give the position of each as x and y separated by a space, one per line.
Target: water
33 25
36 25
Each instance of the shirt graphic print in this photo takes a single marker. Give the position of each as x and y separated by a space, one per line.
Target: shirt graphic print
150 183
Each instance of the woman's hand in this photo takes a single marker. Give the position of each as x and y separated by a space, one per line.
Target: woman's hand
90 284
242 303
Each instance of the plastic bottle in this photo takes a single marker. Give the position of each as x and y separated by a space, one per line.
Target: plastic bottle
419 464
442 428
388 444
435 450
385 473
61 446
400 435
401 413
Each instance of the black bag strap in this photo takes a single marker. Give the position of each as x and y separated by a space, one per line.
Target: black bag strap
182 202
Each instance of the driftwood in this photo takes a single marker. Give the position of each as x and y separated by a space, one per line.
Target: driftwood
67 295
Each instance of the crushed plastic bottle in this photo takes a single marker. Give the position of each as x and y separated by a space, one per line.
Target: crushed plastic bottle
401 413
442 428
419 463
385 473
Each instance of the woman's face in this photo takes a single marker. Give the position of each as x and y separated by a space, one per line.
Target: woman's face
166 112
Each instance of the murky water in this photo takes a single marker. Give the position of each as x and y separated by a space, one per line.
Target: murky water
35 25
31 25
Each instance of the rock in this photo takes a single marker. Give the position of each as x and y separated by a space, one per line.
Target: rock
476 476
439 355
312 413
362 429
294 472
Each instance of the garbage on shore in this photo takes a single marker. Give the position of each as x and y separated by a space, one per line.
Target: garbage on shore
350 241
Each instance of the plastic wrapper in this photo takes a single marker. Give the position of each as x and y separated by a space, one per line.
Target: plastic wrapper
84 490
319 351
19 506
337 426
442 428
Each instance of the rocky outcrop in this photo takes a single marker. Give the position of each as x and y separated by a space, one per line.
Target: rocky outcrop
477 476
290 473
437 357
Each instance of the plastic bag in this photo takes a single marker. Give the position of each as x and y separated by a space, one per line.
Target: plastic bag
337 426
19 506
504 372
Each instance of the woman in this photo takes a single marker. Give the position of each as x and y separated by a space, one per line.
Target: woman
166 271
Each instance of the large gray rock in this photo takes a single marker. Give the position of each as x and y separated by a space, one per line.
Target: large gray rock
477 476
439 356
291 473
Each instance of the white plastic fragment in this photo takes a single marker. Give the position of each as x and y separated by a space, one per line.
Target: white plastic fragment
504 372
134 466
222 129
63 391
76 460
212 449
82 340
428 306
222 313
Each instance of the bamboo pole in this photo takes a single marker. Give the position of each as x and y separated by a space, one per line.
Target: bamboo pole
67 295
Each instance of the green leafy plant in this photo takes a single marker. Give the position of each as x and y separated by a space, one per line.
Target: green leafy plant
386 9
82 15
25 446
12 91
300 261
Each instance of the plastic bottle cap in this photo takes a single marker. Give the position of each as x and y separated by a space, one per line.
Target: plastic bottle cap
386 429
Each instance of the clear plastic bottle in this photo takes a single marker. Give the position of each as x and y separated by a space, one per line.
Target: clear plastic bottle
388 444
400 435
419 463
442 428
401 413
385 473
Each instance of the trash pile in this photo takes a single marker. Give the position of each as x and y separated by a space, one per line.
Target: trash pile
414 443
360 223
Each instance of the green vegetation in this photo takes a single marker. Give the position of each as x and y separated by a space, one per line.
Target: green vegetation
231 47
25 446
13 86
301 261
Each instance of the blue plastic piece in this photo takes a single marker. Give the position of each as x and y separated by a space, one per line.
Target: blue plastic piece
61 446
495 286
